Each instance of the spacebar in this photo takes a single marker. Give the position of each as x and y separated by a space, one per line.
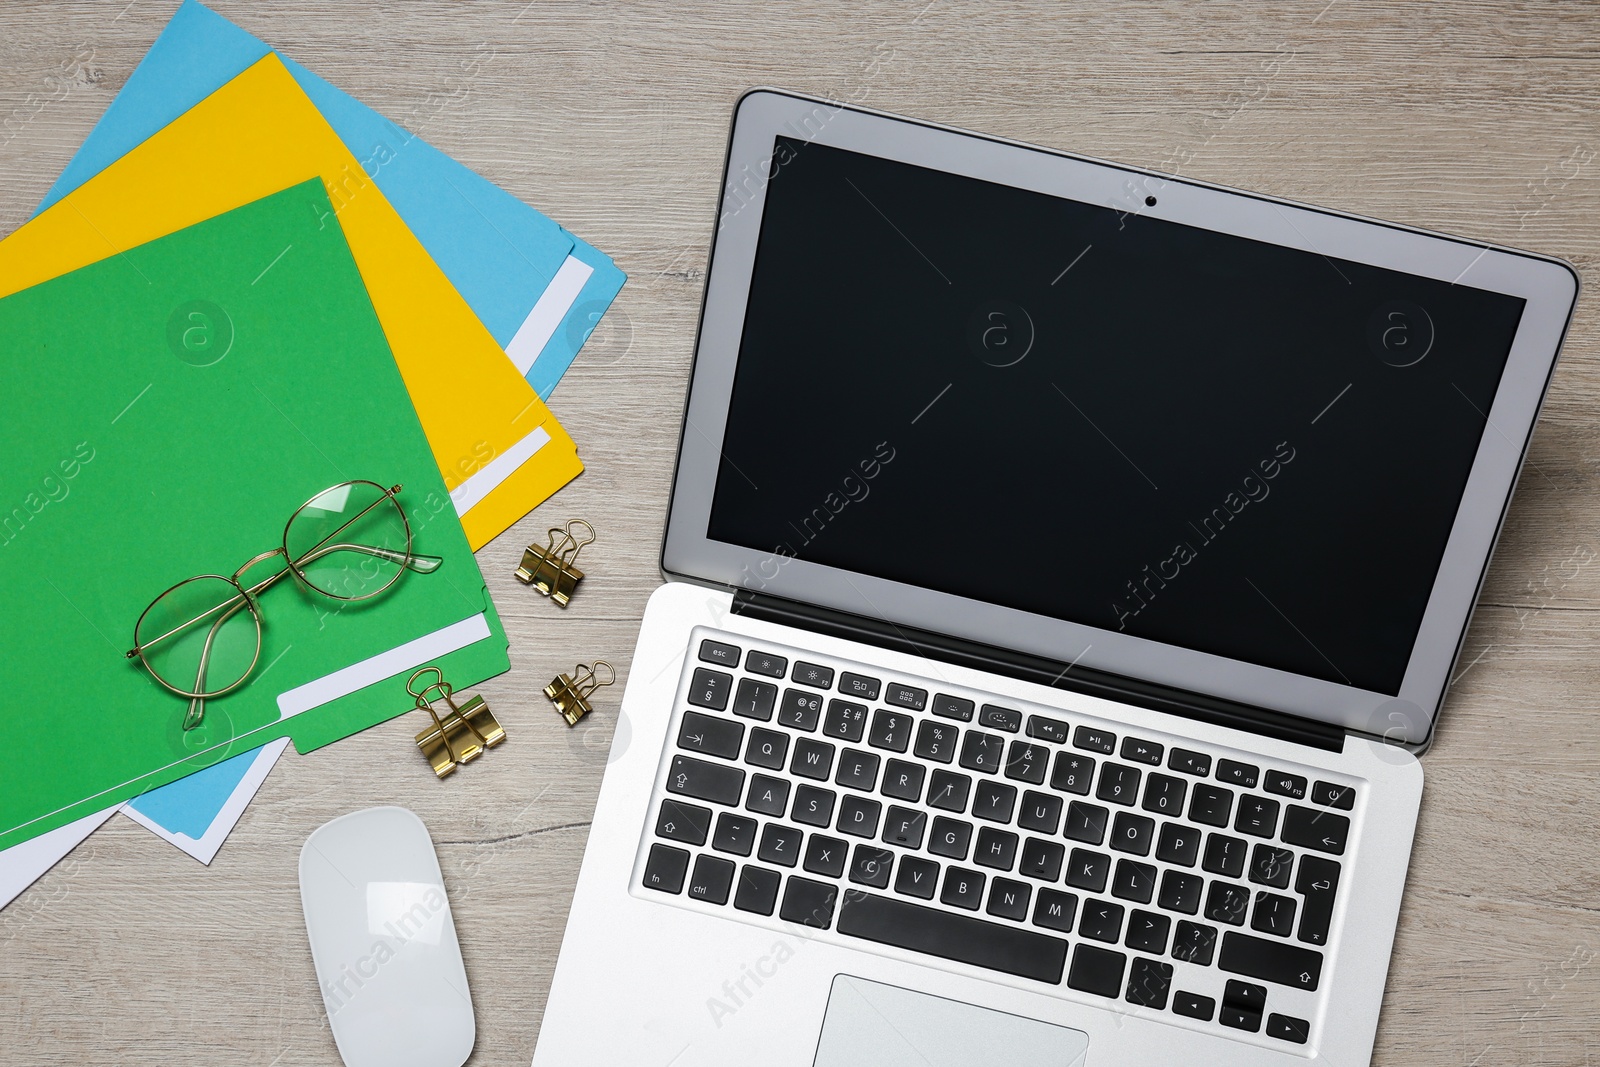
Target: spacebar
953 937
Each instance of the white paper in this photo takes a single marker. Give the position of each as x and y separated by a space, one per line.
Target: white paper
548 313
22 865
384 665
470 493
205 847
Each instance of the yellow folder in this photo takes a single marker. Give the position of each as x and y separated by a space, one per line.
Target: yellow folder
498 446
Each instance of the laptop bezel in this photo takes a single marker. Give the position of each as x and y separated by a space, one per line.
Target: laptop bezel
1548 285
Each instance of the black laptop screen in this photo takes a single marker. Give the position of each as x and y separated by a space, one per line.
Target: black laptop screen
1103 417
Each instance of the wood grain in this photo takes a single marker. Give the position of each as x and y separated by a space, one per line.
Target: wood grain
1478 118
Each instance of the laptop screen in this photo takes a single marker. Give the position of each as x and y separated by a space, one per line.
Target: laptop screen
1102 417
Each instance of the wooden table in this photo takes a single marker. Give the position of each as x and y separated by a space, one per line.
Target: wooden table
1474 118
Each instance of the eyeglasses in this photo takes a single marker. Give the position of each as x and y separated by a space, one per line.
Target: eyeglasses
202 638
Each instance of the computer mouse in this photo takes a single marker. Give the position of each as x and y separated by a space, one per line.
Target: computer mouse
384 942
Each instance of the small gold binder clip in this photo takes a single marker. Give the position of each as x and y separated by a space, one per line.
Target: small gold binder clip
464 732
549 567
570 692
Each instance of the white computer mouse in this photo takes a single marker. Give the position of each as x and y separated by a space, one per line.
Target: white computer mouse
384 942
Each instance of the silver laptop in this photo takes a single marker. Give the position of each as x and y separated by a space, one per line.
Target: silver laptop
1066 565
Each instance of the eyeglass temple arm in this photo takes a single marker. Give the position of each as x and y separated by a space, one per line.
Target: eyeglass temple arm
197 705
415 561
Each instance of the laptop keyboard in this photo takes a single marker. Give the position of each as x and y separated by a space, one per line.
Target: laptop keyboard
1171 877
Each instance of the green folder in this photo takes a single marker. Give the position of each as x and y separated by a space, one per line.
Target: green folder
167 410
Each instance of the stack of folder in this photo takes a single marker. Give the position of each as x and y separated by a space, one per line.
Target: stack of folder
245 288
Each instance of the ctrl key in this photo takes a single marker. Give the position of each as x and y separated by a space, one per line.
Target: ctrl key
665 868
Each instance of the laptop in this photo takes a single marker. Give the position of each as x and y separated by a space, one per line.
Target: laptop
1065 568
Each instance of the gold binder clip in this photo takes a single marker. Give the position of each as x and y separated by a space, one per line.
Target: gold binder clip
570 692
549 567
464 732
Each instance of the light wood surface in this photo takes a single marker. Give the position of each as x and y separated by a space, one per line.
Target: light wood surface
1478 118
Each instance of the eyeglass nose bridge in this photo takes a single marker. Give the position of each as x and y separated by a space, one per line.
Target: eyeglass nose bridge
249 592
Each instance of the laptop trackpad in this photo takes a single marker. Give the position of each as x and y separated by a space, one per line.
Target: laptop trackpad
869 1024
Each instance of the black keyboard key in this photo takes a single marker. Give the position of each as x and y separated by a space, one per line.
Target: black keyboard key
996 848
1318 882
1193 1006
903 780
962 888
755 700
710 689
709 735
1042 859
719 653
1072 773
859 686
780 844
1101 921
858 816
1008 899
1233 772
1040 812
905 696
1329 795
808 903
734 833
768 796
1097 970
890 730
1086 822
983 752
1286 785
962 938
1210 804
826 856
1149 982
1270 961
951 838
1046 729
711 880
997 718
1321 830
857 770
1178 844
1027 762
1055 910
948 790
765 663
845 720
688 823
812 759
1119 784
905 826
1258 816
1244 995
1134 881
937 741
665 868
814 675
767 748
812 806
1133 833
870 866
1138 750
917 877
1288 1028
705 781
1271 866
1194 943
1091 739
1189 762
994 801
953 707
1239 1018
1227 903
1088 870
757 890
800 710
1164 795
1274 914
1180 892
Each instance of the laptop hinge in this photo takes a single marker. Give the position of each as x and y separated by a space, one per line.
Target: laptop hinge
1075 679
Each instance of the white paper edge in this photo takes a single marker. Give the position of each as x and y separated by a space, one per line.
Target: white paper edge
548 313
314 694
205 847
25 863
470 493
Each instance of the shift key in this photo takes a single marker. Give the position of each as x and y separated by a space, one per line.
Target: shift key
705 781
1270 961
